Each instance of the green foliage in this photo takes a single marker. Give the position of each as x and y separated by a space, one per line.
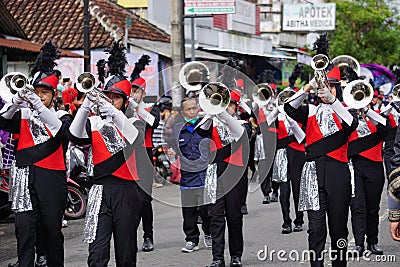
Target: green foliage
368 30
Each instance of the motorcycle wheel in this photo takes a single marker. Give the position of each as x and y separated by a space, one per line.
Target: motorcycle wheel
76 204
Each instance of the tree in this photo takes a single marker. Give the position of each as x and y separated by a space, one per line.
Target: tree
368 30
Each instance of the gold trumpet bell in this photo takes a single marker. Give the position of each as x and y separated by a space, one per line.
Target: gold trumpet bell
358 94
214 98
85 82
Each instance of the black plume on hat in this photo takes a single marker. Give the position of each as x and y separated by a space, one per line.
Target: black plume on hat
296 73
321 45
101 69
117 60
267 76
45 61
140 65
350 74
229 73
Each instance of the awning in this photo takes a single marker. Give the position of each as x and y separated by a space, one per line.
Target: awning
164 49
247 53
32 47
294 50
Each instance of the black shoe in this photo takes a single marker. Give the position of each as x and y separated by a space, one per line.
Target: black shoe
375 249
356 252
13 264
244 210
266 200
147 245
41 261
274 197
298 228
286 230
217 263
235 261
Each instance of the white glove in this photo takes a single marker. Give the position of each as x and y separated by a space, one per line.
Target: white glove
326 93
87 105
233 124
35 100
313 83
133 103
17 100
107 109
375 117
147 117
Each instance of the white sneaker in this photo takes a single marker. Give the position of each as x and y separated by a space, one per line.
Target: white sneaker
190 247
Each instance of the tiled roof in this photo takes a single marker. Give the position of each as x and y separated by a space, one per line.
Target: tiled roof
63 22
8 25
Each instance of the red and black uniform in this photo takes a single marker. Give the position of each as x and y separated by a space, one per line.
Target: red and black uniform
326 147
295 161
116 167
269 138
231 161
42 155
146 182
365 151
388 150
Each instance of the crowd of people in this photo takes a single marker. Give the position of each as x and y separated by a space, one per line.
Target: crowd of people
331 157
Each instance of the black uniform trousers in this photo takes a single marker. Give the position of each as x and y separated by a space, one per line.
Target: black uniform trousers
145 185
227 206
193 207
296 161
48 192
267 185
119 216
388 153
334 190
369 180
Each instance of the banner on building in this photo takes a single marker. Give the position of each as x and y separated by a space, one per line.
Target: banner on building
308 17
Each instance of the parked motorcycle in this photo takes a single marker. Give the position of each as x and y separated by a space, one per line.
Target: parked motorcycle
78 182
161 161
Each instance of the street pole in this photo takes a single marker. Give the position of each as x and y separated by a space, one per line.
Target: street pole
177 49
192 38
86 36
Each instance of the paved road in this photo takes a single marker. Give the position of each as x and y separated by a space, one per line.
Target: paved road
262 228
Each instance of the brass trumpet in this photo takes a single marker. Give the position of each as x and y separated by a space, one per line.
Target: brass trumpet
285 95
319 63
262 94
12 83
86 83
214 98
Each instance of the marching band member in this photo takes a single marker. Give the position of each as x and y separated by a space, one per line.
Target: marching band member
114 203
137 108
288 162
227 195
325 188
39 189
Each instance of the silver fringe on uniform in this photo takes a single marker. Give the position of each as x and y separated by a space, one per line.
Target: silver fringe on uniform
92 213
309 197
279 171
210 184
353 184
259 152
19 191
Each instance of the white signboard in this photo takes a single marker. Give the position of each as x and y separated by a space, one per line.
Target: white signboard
208 7
244 20
307 17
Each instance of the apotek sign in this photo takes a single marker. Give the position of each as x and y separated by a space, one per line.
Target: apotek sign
208 7
307 17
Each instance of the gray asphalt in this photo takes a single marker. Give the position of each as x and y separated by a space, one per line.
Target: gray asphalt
262 232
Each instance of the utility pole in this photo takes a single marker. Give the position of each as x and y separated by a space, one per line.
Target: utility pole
86 36
177 49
